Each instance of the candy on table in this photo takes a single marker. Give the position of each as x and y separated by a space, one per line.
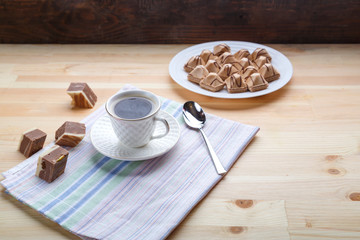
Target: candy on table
82 95
31 141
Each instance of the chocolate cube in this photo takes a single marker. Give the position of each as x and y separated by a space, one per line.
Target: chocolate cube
32 141
70 134
52 163
82 95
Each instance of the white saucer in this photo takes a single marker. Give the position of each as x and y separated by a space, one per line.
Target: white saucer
105 141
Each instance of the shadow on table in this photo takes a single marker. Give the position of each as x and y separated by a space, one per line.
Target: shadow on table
232 104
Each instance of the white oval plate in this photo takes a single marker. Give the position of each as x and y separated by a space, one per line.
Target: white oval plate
279 61
105 141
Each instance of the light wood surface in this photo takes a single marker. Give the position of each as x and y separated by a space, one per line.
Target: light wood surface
298 179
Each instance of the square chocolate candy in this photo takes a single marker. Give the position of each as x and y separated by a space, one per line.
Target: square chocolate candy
70 134
32 141
82 95
51 163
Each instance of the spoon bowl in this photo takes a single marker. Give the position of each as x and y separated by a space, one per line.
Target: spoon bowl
193 114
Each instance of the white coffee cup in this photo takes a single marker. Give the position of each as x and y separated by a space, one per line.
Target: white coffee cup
136 131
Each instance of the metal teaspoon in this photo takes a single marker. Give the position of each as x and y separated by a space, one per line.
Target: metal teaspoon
195 117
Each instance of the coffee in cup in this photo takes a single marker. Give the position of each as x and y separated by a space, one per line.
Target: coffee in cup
133 107
133 115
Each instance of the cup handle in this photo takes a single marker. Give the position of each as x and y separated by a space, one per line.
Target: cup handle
166 126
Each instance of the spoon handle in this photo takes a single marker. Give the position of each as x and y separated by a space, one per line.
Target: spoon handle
218 166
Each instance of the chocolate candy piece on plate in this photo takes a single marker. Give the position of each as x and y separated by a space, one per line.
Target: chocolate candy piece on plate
260 52
207 55
223 57
242 53
256 82
51 163
221 48
212 66
226 71
193 62
244 63
82 95
212 82
70 134
248 71
260 61
236 84
32 141
269 72
198 74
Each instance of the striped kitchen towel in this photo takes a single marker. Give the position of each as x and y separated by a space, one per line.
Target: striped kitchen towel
102 198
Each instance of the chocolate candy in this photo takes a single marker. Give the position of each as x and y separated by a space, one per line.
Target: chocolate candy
242 53
207 55
233 61
70 134
269 72
32 141
51 163
82 95
260 52
235 84
212 66
198 74
248 71
223 57
193 62
212 82
256 82
260 61
227 70
244 62
220 49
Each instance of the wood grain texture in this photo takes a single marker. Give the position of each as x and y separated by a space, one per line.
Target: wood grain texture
298 179
189 21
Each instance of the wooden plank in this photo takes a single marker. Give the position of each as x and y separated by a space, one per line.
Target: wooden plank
239 212
302 188
178 22
329 234
229 232
324 214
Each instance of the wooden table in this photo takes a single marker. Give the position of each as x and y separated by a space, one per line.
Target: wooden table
298 179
